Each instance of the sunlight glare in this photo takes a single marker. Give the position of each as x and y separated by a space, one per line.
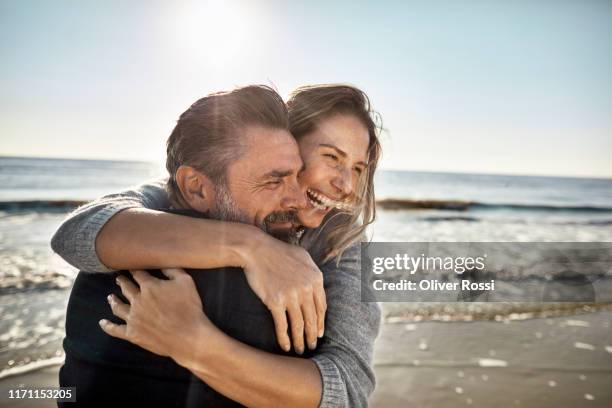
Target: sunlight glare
211 32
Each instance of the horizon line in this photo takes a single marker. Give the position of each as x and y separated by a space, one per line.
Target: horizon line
389 169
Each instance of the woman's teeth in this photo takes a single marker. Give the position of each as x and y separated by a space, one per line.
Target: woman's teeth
315 200
322 202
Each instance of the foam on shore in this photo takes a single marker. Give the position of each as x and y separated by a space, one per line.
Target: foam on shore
34 365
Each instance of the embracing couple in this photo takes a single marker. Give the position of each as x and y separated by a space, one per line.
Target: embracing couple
251 294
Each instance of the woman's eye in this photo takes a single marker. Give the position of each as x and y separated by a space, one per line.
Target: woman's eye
359 170
331 156
273 183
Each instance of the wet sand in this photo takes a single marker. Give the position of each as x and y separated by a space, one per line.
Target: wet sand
545 362
45 377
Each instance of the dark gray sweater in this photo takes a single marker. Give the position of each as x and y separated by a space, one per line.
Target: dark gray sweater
344 355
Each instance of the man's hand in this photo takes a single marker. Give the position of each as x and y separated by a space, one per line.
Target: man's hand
161 312
288 282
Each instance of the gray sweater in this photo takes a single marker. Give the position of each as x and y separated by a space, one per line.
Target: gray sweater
344 355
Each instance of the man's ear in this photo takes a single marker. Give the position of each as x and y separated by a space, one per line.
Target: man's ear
196 188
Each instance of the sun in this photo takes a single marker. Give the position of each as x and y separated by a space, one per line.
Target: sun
211 32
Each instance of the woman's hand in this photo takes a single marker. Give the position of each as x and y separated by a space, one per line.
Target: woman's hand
288 282
161 312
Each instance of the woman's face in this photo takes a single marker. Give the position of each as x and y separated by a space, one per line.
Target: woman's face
335 157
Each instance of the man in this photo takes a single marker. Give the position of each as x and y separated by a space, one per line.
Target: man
250 125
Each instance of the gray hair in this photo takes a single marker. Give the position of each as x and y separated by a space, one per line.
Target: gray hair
208 138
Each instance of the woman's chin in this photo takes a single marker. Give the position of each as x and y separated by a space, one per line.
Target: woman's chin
311 218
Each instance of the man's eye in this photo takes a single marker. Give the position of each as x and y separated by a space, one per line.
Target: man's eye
274 183
331 156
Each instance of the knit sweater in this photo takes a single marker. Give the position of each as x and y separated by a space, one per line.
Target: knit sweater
343 355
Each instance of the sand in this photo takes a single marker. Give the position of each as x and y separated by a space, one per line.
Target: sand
45 377
552 362
545 362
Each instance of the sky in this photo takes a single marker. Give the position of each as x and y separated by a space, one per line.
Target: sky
511 87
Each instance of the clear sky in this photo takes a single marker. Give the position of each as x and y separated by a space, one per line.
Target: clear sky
516 86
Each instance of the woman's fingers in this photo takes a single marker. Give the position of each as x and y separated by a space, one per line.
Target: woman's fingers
115 330
280 324
310 324
297 326
120 309
321 305
142 277
129 290
173 273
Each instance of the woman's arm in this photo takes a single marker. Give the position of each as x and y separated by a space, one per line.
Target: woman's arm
142 238
343 362
344 356
165 317
124 231
283 276
75 239
343 359
253 377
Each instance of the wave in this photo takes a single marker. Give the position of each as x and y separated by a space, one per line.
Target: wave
460 205
33 280
40 205
515 221
479 311
25 285
599 222
32 366
387 204
458 218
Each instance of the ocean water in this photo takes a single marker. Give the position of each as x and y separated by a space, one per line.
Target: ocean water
35 179
36 195
493 208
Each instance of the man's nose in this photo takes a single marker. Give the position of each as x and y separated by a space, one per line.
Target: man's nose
295 198
343 182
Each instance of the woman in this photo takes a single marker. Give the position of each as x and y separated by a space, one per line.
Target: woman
338 140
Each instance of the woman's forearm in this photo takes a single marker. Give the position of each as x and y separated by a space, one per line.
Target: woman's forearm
250 376
140 238
283 276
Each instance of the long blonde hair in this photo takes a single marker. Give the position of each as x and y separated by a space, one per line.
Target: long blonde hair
307 106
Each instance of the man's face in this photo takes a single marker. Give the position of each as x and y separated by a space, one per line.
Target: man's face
262 187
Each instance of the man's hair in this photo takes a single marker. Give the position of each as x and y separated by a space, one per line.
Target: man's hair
208 135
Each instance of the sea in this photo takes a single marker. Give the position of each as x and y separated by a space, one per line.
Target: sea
36 194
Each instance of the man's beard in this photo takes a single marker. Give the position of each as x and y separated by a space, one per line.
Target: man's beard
291 235
227 210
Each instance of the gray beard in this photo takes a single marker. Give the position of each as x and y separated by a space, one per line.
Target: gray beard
225 207
227 210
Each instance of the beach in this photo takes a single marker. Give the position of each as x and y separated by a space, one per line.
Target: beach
449 162
563 361
543 362
537 354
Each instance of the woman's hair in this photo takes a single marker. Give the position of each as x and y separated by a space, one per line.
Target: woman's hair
308 106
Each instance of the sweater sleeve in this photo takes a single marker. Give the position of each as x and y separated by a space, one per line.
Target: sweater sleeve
75 239
344 356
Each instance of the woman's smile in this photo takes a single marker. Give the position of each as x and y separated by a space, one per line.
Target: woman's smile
323 202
